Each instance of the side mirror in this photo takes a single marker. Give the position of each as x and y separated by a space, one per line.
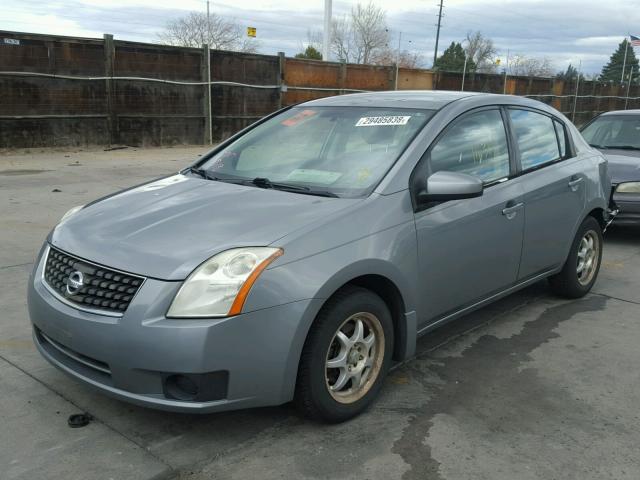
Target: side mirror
443 186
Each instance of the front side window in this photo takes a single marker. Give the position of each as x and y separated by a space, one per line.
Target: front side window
614 131
536 138
475 145
343 150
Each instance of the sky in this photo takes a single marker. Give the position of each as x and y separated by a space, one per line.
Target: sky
582 32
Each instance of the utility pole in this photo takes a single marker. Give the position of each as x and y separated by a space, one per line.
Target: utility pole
326 36
208 25
435 53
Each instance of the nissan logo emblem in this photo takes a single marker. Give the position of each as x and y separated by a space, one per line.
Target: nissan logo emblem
75 282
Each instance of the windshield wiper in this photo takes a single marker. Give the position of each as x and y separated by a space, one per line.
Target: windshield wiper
209 176
263 183
201 172
287 187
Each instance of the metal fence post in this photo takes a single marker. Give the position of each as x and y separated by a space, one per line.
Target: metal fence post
205 72
575 100
112 118
626 100
342 76
464 73
281 66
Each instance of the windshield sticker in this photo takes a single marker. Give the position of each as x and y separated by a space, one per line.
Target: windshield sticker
298 117
380 121
313 176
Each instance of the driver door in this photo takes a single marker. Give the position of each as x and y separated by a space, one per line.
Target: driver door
469 249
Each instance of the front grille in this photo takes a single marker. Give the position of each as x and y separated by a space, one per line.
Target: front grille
100 288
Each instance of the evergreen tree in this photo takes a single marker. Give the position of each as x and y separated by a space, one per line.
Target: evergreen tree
612 71
452 59
311 52
570 74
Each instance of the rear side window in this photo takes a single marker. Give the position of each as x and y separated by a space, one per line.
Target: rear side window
536 138
562 138
475 145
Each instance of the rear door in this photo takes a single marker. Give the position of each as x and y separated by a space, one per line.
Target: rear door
554 189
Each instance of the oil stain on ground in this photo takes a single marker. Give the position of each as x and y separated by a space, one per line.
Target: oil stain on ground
490 385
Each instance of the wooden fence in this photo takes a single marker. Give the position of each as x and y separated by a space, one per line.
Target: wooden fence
67 91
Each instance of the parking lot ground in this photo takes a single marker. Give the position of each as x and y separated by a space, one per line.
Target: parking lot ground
531 387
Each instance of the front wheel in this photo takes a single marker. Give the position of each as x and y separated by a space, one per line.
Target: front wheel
583 264
346 356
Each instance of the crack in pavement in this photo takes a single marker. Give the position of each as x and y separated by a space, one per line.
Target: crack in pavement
4 267
170 472
465 388
616 298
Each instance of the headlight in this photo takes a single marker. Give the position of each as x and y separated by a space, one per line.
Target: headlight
70 212
219 287
629 187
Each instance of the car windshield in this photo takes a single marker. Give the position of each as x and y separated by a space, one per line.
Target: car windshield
338 151
611 131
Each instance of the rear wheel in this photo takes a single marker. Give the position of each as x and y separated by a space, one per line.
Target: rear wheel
346 356
581 268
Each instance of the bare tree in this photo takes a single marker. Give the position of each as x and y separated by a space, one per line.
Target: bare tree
520 64
342 39
405 59
481 50
370 28
360 36
194 30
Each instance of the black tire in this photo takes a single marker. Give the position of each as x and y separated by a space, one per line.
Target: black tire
567 283
313 396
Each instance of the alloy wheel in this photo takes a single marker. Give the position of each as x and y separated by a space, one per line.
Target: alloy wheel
354 358
588 257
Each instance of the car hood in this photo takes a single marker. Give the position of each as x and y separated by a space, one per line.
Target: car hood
166 228
624 165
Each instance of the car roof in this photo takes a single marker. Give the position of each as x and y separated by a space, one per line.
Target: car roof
621 112
419 99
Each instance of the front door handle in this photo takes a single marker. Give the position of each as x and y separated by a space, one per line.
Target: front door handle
512 210
574 183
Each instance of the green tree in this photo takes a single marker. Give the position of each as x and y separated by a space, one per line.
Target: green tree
570 74
311 53
452 59
612 71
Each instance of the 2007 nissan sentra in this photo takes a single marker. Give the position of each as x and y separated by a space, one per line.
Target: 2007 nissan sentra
302 257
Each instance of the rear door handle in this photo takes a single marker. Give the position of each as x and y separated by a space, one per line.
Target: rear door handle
512 210
574 184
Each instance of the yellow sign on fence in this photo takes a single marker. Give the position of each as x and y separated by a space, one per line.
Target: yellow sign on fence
251 31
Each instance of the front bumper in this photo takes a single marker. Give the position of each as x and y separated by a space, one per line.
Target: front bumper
628 205
251 358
